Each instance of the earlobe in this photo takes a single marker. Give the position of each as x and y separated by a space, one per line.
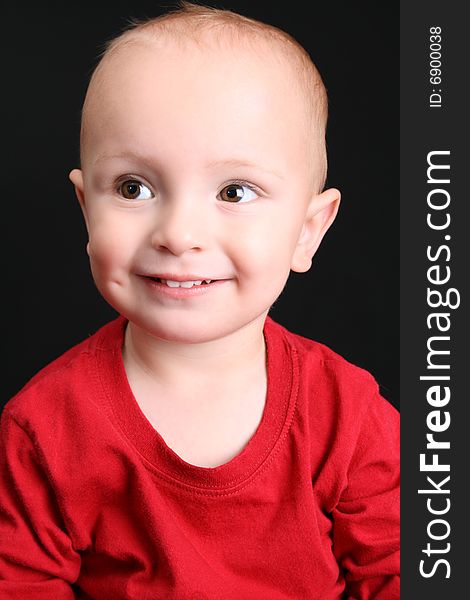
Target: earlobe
321 213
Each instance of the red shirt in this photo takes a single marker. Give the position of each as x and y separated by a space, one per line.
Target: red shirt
94 504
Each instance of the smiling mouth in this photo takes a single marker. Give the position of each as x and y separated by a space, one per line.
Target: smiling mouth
184 284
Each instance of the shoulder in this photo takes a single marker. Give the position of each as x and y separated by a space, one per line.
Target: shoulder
339 410
331 391
50 391
320 359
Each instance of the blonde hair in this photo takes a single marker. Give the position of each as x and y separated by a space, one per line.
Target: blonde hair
188 21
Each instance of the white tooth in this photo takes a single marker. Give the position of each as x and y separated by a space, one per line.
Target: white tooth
185 284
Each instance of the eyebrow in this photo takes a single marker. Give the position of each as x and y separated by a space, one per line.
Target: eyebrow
134 155
212 164
242 163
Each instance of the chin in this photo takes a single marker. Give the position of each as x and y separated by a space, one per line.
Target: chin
179 330
193 329
181 335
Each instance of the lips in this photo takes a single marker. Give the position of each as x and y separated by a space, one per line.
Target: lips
168 280
181 287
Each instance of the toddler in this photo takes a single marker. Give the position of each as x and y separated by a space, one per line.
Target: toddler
194 448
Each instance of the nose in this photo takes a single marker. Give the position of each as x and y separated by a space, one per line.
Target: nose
180 227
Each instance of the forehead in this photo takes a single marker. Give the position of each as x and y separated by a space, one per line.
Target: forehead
196 101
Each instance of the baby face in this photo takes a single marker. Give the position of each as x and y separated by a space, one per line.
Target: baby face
195 189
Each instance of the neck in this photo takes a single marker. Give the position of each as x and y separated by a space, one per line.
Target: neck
231 358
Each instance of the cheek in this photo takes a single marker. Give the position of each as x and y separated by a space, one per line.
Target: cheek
110 245
104 256
264 249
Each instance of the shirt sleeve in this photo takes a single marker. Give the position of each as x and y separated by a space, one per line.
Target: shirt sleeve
366 537
37 560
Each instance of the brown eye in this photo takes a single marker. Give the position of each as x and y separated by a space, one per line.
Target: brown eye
236 192
131 189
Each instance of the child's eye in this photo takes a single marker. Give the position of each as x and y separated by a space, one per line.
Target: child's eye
238 192
131 190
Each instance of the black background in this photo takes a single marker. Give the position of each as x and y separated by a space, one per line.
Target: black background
348 300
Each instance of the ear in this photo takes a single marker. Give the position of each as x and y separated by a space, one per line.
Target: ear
321 213
76 177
